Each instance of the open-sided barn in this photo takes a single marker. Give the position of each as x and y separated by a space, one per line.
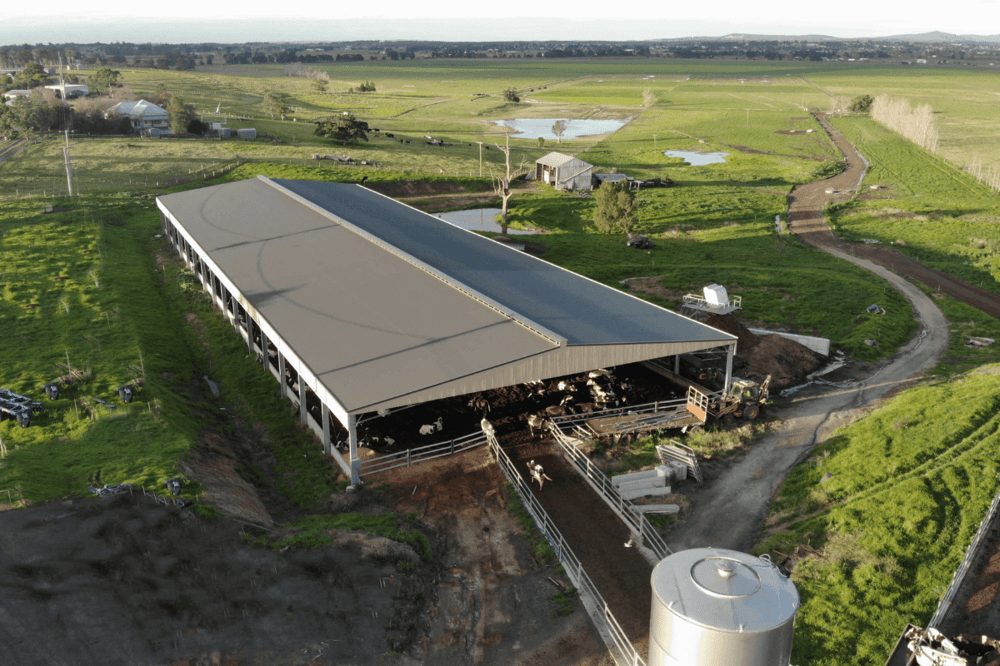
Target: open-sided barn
564 172
374 305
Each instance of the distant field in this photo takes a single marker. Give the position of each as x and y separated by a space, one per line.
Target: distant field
964 102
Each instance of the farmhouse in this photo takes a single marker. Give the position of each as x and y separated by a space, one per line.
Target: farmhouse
564 172
371 305
145 116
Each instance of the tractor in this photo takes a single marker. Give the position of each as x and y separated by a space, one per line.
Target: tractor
744 399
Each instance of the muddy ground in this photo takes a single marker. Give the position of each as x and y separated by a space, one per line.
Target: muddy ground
127 580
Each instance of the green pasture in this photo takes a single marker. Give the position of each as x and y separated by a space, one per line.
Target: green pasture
115 317
725 235
98 317
910 484
927 207
963 99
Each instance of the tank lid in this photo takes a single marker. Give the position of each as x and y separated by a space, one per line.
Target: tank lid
725 577
725 590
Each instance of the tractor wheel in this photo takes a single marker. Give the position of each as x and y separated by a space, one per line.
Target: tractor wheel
728 420
751 412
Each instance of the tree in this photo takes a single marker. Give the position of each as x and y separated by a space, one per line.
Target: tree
319 85
196 126
558 128
616 208
861 104
344 128
274 104
511 95
541 141
106 79
32 76
180 113
502 182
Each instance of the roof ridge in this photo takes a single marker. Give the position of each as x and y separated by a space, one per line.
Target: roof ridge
458 285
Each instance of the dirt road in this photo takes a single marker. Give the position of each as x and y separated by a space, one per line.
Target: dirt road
729 510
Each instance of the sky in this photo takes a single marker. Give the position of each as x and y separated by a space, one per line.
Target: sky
254 20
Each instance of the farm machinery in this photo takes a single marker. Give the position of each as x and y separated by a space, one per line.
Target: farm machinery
744 399
16 406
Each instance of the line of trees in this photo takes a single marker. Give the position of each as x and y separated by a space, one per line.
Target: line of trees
917 125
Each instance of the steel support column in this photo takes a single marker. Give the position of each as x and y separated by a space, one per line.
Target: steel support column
263 351
352 434
303 412
281 375
729 368
327 442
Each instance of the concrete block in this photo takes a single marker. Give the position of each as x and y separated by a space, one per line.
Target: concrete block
649 482
645 492
658 471
658 508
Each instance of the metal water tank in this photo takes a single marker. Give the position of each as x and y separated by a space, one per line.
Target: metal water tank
715 607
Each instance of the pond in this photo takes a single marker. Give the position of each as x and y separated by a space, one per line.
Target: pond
697 159
532 128
479 219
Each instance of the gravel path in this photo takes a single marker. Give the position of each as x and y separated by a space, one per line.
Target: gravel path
729 510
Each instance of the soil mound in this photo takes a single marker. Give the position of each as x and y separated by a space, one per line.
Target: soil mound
730 324
785 360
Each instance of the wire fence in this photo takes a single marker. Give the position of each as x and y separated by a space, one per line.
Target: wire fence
55 186
421 454
618 643
636 521
970 555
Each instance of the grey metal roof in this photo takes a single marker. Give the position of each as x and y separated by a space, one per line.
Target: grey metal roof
556 159
388 305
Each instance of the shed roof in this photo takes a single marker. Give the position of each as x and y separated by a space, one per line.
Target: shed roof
555 159
390 306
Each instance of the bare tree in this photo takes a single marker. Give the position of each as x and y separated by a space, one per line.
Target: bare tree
559 128
502 182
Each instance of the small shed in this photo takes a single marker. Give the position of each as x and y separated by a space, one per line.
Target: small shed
11 95
70 90
601 178
564 172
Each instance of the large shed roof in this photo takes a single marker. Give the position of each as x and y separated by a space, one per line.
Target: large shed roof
390 306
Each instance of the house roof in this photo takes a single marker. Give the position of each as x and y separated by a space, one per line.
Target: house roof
389 306
555 159
139 110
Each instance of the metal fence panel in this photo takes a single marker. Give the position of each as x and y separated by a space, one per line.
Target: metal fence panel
621 647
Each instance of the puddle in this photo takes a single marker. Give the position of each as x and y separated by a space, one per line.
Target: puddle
532 128
697 159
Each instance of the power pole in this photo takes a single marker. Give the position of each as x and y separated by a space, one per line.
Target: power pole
480 158
69 166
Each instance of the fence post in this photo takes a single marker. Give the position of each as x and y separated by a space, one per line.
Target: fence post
407 457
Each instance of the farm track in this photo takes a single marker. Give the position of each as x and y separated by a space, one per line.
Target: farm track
729 510
805 215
